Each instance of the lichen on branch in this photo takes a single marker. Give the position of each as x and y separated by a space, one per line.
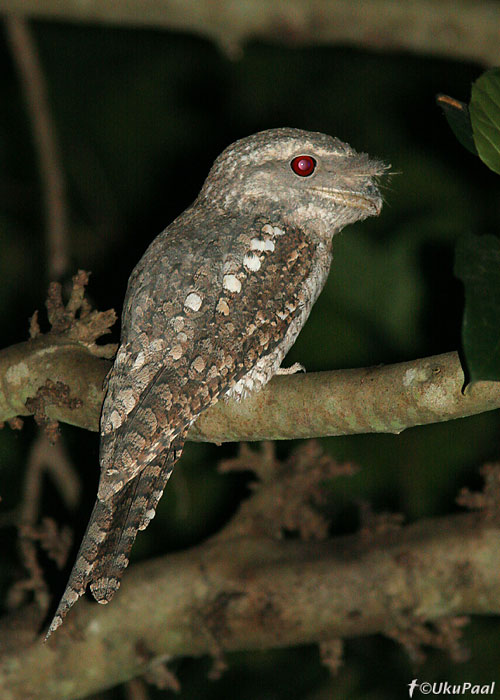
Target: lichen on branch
76 320
59 374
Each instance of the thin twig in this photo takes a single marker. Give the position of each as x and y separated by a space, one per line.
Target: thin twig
44 458
53 460
51 174
136 689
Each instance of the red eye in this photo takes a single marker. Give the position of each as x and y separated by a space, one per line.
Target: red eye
303 165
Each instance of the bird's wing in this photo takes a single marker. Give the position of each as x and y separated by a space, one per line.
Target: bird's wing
196 321
202 308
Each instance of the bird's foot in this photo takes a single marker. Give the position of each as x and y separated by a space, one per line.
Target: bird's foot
296 367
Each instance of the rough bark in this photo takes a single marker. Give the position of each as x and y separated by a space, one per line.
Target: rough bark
244 593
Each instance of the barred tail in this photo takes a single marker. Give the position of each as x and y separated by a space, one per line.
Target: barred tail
104 553
113 561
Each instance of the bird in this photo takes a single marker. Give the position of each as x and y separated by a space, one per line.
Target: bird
210 311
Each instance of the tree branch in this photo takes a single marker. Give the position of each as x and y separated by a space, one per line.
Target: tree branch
246 593
51 172
343 402
461 29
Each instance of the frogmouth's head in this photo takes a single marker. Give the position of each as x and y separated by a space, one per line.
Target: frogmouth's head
299 175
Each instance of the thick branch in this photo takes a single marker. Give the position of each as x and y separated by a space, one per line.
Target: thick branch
26 367
368 400
255 594
463 29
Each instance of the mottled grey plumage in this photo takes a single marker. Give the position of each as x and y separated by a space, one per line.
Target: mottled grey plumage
211 309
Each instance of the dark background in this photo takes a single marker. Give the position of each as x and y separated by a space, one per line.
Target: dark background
140 116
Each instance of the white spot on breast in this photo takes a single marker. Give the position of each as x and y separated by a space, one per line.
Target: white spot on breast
222 307
193 301
257 244
251 262
231 283
269 245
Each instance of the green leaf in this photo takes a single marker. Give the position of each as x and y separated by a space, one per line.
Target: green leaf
485 117
477 264
458 118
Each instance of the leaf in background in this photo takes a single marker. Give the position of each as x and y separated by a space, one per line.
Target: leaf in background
477 264
458 117
485 117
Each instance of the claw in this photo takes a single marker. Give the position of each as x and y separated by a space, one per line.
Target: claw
296 367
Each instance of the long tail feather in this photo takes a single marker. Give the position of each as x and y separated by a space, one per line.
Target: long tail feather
159 483
98 531
109 569
104 553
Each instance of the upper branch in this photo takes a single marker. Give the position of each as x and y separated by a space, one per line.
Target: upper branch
463 29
